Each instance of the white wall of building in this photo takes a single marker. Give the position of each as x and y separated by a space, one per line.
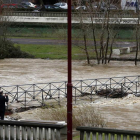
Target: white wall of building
129 4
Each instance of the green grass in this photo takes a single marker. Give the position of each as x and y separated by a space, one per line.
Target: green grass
51 51
55 51
61 31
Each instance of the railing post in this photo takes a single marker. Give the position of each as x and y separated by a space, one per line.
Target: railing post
88 135
41 134
42 97
35 133
106 136
96 85
91 93
50 88
110 83
46 131
52 134
125 137
100 136
118 137
121 88
33 91
7 132
65 88
12 133
17 92
125 81
81 86
58 134
81 135
29 133
18 131
25 99
136 88
75 95
138 81
59 97
1 132
106 90
112 137
23 133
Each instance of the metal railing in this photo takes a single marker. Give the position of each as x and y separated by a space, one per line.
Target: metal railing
107 134
40 94
22 130
74 14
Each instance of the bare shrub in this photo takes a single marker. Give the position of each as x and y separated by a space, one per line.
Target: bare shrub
82 116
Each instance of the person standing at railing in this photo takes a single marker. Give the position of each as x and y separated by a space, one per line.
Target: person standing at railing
3 100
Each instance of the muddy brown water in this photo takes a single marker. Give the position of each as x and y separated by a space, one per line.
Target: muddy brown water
122 117
30 71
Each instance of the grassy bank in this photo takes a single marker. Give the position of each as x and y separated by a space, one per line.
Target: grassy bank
60 32
55 51
51 51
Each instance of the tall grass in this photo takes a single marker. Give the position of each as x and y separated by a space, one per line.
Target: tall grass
82 116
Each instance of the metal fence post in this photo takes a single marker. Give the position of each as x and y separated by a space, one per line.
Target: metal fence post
17 93
65 88
91 93
81 86
42 97
75 95
33 91
110 84
136 88
50 88
59 96
25 99
121 88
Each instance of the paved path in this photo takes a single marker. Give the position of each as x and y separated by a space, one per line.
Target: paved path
61 42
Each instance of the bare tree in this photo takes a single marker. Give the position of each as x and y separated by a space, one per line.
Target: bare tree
102 44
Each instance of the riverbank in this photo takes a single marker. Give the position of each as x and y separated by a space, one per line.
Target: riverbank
120 113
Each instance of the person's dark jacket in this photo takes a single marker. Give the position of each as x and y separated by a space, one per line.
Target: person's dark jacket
3 99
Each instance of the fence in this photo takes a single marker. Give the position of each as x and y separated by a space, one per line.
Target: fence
45 93
107 134
74 14
22 130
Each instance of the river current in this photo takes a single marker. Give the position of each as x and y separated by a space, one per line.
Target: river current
121 113
31 71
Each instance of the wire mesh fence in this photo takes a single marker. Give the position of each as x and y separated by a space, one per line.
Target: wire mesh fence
42 93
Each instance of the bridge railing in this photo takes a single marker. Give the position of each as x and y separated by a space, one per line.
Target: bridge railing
74 14
42 93
87 133
17 130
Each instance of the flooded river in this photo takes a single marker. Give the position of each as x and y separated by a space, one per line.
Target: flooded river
30 71
124 114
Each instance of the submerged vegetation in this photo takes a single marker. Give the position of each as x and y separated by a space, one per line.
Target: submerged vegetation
82 116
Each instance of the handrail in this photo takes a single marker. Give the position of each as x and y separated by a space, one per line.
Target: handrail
28 95
31 124
16 130
105 132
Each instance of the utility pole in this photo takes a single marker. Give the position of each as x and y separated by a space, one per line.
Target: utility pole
69 85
